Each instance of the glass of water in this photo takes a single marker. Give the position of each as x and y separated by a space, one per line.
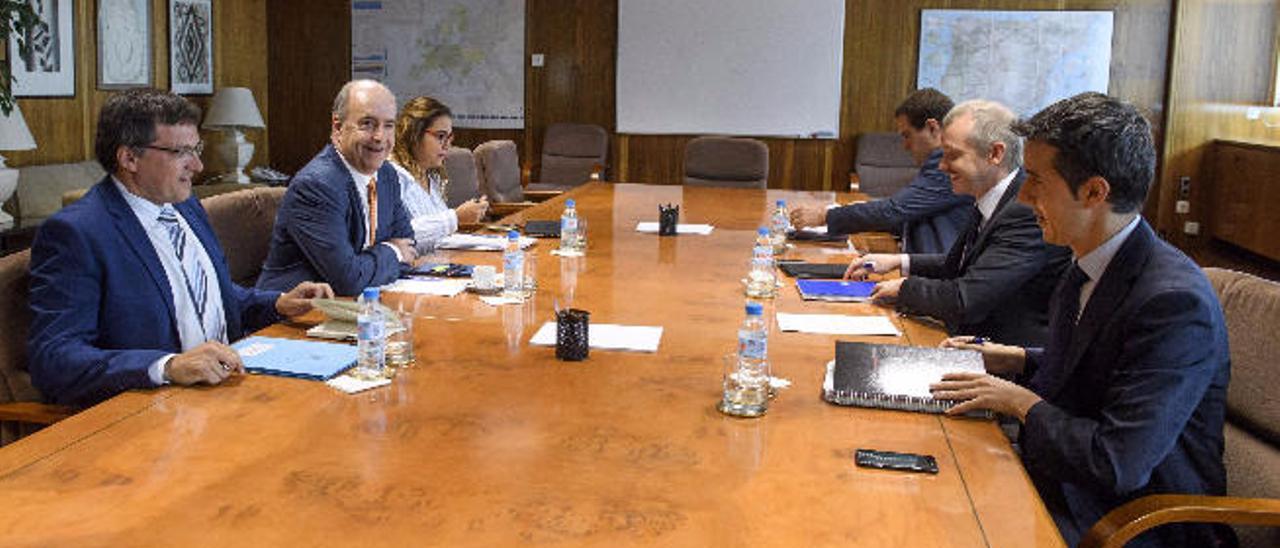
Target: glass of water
399 341
745 392
529 285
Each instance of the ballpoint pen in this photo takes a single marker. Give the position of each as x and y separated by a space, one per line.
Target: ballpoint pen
978 340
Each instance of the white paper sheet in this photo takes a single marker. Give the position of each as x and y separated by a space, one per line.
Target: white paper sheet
498 300
351 385
443 287
605 336
652 228
476 242
837 324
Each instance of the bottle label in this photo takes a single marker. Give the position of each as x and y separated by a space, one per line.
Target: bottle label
568 224
752 345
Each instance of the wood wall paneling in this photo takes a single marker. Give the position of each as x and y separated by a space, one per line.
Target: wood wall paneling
309 58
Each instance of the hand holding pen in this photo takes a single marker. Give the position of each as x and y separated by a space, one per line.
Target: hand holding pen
873 263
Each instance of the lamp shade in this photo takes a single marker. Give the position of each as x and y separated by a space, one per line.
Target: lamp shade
14 134
233 107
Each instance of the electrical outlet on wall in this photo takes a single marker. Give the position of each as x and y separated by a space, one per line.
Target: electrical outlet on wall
1192 228
1184 187
1182 206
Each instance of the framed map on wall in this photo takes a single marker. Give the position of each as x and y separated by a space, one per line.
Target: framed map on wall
191 46
50 69
1024 59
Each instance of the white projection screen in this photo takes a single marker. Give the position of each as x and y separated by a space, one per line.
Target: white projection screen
731 67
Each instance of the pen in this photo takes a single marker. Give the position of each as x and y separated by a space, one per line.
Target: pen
869 266
978 340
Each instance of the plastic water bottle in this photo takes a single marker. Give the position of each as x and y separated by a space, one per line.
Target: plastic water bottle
513 267
753 361
371 337
569 227
762 282
779 222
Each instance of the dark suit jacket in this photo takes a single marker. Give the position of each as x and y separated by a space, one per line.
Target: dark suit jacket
1000 287
926 213
1134 402
100 299
320 235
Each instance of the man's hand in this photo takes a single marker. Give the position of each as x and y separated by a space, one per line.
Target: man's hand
981 391
886 292
405 246
471 211
808 215
877 263
298 300
209 363
999 359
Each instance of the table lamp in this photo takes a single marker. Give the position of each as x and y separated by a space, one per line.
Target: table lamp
14 135
233 109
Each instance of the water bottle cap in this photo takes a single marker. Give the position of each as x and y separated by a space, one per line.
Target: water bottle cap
371 293
782 203
763 231
755 309
513 235
569 203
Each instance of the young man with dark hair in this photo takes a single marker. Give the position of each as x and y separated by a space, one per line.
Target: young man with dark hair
925 213
1128 397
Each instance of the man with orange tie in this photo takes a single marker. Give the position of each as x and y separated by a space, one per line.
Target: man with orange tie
342 220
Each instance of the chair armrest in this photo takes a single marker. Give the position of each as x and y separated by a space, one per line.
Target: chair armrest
1119 526
541 195
33 412
498 210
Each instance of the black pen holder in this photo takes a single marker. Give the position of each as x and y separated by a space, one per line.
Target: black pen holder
668 218
572 327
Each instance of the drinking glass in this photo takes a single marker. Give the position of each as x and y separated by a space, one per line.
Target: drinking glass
745 392
399 341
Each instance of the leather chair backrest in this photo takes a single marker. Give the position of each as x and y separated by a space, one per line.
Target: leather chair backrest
15 322
243 221
499 165
1251 306
726 162
570 152
463 181
883 166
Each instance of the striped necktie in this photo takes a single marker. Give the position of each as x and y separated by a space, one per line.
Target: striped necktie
196 279
373 210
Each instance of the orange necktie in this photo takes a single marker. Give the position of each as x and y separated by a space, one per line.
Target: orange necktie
373 210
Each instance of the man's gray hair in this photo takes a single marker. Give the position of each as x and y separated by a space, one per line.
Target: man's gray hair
341 100
992 123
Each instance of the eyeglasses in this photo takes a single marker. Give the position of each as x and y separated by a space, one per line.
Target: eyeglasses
180 152
444 137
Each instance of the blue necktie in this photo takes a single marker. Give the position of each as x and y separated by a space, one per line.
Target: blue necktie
1064 308
196 279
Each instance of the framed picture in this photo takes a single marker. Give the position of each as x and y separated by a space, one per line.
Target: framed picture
50 69
191 46
124 43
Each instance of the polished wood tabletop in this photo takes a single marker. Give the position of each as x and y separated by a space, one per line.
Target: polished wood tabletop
488 441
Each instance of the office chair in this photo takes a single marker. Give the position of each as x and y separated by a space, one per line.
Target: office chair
21 409
572 154
726 162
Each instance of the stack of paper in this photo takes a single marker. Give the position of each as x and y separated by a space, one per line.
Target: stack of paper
443 287
837 324
701 230
605 336
476 242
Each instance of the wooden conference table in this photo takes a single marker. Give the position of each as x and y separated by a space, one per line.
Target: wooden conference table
489 441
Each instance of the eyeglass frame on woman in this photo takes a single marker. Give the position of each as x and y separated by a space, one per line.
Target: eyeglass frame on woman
441 137
194 151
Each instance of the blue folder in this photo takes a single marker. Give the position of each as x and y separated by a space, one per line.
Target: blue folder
295 358
835 290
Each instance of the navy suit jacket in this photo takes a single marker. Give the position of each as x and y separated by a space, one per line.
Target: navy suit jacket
320 236
101 304
926 213
997 288
1134 402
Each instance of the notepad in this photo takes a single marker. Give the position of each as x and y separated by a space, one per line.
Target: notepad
605 336
294 358
699 229
825 271
835 290
837 324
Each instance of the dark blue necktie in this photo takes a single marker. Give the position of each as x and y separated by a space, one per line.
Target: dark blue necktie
1064 308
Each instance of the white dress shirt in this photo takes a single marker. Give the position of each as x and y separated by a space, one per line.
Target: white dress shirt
191 332
986 205
431 218
1094 263
362 188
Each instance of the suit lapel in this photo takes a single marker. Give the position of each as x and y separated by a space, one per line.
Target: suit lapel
355 209
1010 193
135 237
1107 296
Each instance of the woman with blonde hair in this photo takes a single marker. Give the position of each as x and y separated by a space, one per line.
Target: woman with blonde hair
424 132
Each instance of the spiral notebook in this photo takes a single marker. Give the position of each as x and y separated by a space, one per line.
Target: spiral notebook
890 376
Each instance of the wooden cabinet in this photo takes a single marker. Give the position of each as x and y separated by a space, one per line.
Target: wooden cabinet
1245 179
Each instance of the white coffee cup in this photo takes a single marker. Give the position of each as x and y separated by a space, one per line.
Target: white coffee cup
482 277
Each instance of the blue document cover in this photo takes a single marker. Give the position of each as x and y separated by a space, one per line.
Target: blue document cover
835 290
294 358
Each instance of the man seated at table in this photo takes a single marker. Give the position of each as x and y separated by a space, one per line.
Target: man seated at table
342 221
926 213
1128 397
996 279
129 288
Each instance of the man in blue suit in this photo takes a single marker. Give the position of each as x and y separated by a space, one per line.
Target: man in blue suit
926 213
342 220
129 288
1129 395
